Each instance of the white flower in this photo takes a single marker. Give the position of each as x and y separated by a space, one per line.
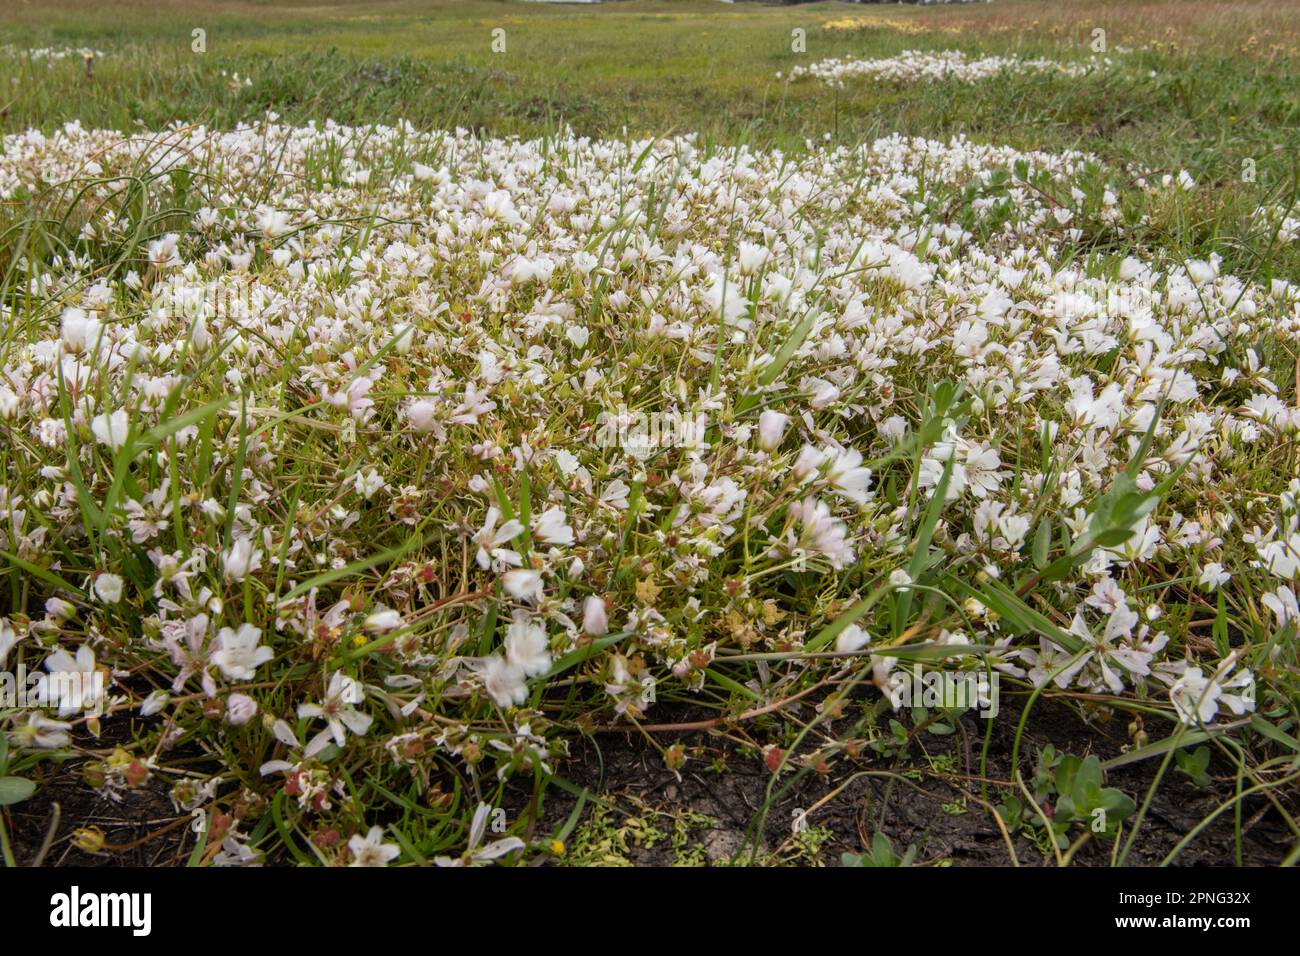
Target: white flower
820 533
504 681
852 638
108 588
74 683
726 298
403 338
240 709
1195 697
162 252
241 560
367 483
422 414
154 703
771 429
490 538
982 463
239 654
383 620
1213 576
339 713
273 223
371 850
1243 681
527 646
846 477
1283 604
476 854
594 620
523 584
551 527
110 428
42 733
809 460
8 638
1282 558
80 331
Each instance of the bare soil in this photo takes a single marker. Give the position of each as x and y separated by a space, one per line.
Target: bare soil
937 811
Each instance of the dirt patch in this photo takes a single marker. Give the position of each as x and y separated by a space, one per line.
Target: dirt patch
139 825
932 801
642 813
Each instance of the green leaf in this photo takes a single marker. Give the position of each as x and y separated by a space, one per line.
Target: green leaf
1274 733
1042 542
1187 738
574 658
46 575
15 790
1019 615
832 630
201 843
392 554
788 348
1112 537
921 547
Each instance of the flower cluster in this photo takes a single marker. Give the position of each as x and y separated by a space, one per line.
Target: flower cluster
316 461
913 66
51 54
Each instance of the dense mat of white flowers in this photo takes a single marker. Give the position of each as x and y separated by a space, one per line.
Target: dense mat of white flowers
409 347
912 66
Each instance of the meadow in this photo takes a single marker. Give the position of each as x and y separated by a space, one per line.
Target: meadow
500 433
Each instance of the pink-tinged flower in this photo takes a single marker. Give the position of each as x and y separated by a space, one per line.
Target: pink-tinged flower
339 712
771 429
527 646
504 681
422 416
490 539
240 709
594 619
523 584
552 527
238 653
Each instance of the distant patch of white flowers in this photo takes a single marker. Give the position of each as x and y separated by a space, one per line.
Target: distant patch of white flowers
51 54
912 66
